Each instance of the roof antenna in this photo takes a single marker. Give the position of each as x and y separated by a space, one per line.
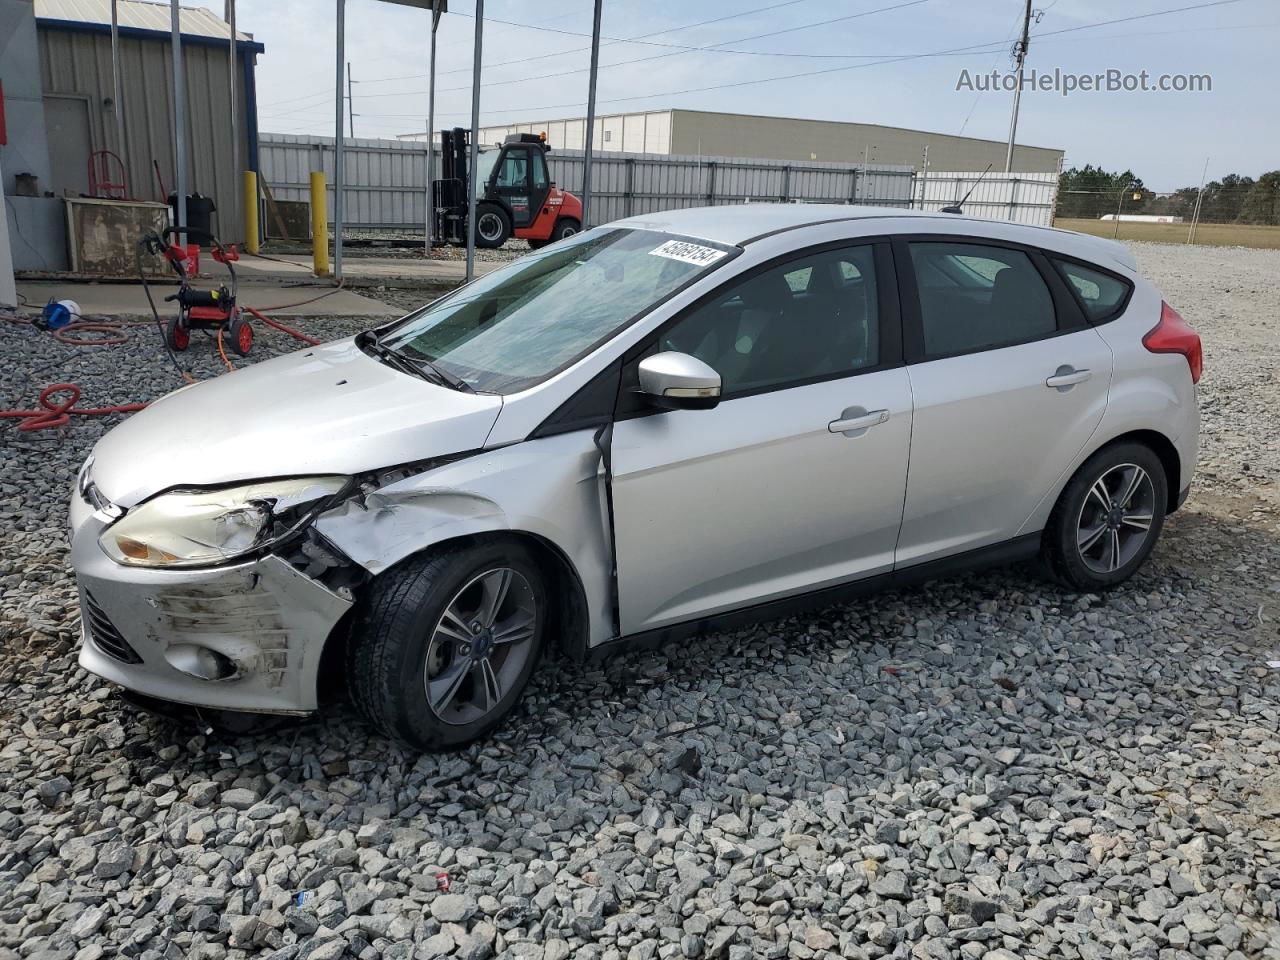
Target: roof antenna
955 208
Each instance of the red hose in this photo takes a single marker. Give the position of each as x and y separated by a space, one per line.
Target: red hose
56 413
280 326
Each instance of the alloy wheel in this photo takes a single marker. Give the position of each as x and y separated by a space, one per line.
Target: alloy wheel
1115 518
480 645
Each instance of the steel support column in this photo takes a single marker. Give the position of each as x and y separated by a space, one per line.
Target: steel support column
179 122
431 126
338 144
591 117
475 138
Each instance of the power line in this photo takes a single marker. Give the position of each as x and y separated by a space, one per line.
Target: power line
639 38
955 51
710 48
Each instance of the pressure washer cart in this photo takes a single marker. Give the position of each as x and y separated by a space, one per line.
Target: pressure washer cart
199 309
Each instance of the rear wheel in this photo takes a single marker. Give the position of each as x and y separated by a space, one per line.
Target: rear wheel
565 227
445 644
493 226
1108 518
178 335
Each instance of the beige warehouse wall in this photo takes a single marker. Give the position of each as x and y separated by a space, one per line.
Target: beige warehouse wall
781 138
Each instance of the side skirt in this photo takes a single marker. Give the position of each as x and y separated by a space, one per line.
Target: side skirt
999 554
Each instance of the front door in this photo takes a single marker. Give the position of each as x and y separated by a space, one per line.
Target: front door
1009 385
795 480
512 183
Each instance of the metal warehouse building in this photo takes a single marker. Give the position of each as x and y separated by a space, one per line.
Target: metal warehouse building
60 107
704 133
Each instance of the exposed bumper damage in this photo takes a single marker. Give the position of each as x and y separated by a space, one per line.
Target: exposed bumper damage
246 637
250 636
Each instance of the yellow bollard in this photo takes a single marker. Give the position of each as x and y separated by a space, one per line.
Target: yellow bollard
251 236
319 225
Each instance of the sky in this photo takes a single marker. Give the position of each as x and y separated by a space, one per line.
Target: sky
871 52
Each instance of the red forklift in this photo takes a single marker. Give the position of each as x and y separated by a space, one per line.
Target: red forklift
515 195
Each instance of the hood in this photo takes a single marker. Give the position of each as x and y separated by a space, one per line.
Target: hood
326 409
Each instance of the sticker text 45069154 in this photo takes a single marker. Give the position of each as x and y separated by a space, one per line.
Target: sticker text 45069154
687 252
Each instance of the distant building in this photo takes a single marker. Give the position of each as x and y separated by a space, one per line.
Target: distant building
700 132
55 67
1142 218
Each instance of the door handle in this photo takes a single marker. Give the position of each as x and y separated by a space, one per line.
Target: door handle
1067 376
861 421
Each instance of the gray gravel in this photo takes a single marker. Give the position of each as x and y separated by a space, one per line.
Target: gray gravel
987 767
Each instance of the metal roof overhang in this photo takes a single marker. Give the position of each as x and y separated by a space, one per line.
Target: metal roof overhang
86 26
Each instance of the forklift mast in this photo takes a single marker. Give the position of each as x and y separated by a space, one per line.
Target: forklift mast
453 155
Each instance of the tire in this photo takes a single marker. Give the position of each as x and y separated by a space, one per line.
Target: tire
240 334
493 226
179 336
565 227
1095 540
405 642
537 244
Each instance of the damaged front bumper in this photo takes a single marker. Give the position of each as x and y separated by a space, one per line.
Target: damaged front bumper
244 637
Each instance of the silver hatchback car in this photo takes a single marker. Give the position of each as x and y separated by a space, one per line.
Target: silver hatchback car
653 426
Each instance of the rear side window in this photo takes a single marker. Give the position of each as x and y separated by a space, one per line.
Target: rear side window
974 297
1100 294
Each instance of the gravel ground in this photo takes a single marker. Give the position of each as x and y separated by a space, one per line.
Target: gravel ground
987 767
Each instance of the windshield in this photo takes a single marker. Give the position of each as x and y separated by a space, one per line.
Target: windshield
485 159
515 327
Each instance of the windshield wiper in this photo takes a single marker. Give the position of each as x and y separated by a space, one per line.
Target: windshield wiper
419 367
446 377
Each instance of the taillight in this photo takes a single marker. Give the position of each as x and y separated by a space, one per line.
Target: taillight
1174 335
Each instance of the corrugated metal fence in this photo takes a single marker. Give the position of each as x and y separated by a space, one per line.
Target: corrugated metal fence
386 183
633 183
1017 198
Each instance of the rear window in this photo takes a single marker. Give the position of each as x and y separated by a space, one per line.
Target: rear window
1100 294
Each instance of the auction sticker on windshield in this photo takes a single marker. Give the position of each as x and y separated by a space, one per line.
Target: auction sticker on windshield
688 252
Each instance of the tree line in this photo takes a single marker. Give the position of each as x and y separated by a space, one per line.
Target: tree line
1089 192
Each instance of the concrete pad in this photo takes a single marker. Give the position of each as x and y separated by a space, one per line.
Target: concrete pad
128 299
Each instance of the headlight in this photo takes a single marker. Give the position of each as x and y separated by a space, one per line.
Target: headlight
189 528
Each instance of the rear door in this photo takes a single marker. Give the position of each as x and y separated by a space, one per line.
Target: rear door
1009 383
795 480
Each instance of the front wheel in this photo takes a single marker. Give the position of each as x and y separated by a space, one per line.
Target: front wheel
446 642
493 226
1108 518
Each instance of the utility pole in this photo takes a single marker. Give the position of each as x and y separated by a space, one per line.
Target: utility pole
1195 213
351 107
1023 45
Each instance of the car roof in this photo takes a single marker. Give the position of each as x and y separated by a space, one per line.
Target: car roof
740 224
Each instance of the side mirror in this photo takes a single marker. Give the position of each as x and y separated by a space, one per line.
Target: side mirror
677 381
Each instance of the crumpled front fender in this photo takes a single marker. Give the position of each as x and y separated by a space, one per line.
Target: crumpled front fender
552 488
